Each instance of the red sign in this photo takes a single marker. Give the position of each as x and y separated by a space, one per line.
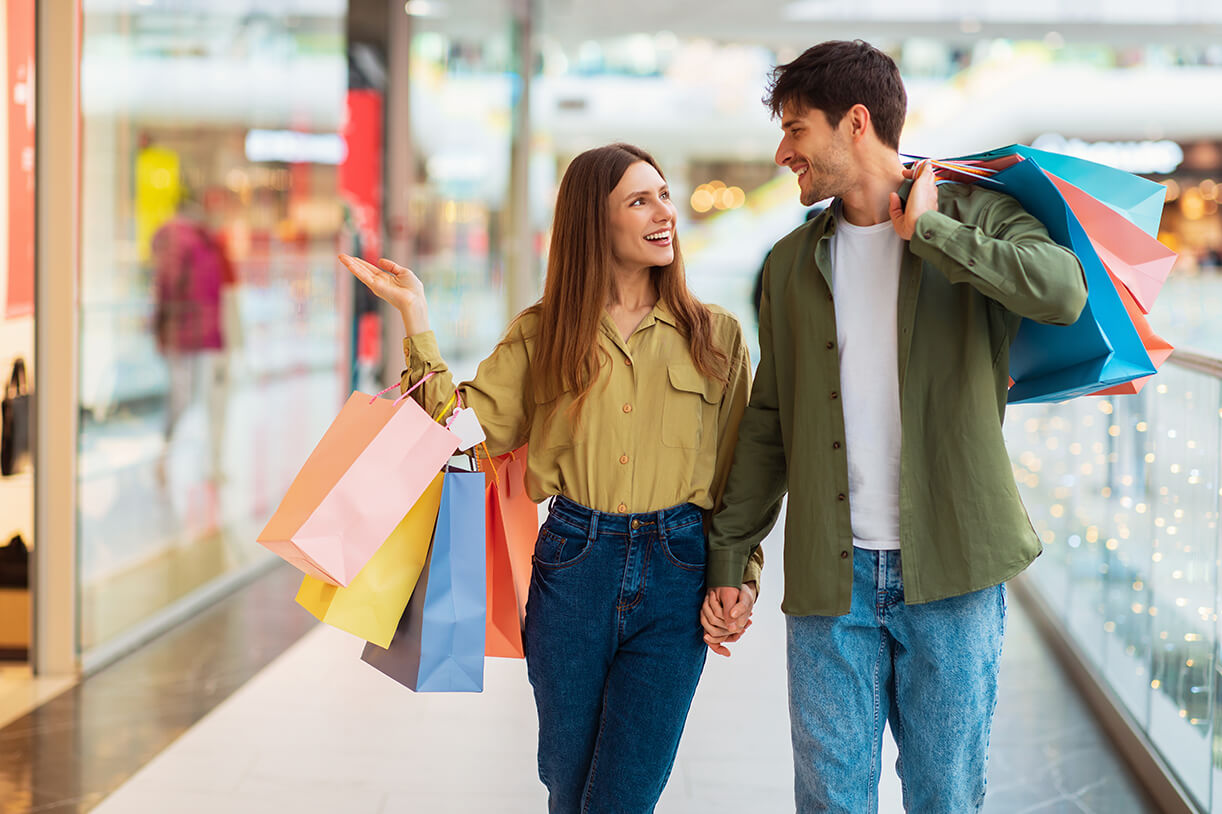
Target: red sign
360 176
20 300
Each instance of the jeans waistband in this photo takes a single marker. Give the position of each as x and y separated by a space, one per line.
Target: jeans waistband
597 522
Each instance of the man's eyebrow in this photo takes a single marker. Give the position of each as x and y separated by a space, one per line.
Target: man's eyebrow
788 123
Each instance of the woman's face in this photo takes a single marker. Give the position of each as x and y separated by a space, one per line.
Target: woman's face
642 219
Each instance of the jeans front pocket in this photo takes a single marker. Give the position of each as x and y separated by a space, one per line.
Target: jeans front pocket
686 546
555 549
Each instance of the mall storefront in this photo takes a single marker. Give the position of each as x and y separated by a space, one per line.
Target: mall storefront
193 326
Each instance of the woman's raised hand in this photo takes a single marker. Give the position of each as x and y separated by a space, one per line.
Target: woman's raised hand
397 285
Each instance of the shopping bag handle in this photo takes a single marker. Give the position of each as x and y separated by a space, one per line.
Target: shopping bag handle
17 382
407 392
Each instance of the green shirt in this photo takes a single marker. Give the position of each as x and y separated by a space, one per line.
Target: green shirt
971 272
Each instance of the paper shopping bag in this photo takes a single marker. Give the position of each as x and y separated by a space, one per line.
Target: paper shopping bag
1138 199
1160 349
373 602
376 457
1136 259
513 525
438 645
1102 349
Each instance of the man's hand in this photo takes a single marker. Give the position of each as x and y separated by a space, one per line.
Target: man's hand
922 198
726 615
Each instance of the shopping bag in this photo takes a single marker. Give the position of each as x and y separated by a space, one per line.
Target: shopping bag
373 602
1140 262
513 526
1160 350
376 457
1136 258
1102 348
1138 199
438 645
15 422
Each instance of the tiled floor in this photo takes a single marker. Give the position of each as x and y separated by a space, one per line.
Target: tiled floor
319 731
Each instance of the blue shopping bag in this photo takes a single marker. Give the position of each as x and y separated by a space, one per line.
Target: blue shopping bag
439 643
1102 349
1138 199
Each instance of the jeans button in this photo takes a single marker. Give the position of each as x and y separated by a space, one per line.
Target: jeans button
636 524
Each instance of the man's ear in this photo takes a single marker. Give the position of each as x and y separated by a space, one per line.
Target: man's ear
860 123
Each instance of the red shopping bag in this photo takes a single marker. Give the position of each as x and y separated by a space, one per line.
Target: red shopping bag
512 526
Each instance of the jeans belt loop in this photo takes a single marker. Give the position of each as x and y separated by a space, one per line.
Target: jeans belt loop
593 532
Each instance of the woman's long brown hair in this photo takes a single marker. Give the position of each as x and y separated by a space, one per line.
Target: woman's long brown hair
580 283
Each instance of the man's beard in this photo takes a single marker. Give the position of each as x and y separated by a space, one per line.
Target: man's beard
828 179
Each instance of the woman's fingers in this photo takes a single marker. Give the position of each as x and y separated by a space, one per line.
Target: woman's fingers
387 287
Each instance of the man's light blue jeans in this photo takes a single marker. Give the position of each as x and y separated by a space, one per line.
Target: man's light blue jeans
930 669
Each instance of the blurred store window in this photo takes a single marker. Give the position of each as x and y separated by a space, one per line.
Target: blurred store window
16 326
213 336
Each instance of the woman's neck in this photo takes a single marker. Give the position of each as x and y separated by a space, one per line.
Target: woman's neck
634 290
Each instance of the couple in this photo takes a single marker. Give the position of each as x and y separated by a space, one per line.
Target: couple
885 328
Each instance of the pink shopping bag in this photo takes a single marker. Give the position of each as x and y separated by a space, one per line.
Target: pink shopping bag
373 463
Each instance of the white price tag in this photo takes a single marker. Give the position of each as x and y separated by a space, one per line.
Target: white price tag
465 425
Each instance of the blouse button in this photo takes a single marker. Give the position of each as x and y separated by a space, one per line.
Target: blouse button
628 362
623 459
835 395
831 345
621 508
627 408
835 445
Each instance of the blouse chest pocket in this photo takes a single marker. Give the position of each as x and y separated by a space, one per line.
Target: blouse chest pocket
690 403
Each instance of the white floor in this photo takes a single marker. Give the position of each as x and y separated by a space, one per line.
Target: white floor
320 731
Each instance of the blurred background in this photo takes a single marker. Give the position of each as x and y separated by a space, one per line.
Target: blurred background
227 149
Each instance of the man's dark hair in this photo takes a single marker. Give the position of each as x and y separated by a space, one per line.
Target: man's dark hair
833 76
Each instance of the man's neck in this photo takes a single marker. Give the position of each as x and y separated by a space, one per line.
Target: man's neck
869 202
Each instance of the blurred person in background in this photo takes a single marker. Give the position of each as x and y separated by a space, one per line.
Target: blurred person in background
192 281
885 329
629 391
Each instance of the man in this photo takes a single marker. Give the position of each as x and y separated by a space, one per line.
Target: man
885 330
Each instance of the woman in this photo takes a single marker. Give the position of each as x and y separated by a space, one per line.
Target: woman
629 392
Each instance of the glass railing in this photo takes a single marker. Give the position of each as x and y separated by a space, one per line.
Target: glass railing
1125 493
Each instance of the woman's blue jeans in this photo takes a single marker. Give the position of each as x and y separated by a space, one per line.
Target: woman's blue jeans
929 669
614 650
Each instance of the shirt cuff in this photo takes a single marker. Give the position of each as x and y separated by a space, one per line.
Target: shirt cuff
752 573
726 569
421 350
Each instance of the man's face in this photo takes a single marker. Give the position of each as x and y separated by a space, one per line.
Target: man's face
817 152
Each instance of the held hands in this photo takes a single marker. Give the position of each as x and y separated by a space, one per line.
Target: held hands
726 615
395 284
922 198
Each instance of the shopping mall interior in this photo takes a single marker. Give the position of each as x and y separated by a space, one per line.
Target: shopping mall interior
152 656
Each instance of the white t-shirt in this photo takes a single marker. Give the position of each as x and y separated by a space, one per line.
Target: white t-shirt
865 274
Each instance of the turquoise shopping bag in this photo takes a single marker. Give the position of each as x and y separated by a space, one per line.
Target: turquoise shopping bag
1138 199
439 643
1103 348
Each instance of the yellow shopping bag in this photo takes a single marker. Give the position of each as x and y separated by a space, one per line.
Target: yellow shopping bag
373 602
